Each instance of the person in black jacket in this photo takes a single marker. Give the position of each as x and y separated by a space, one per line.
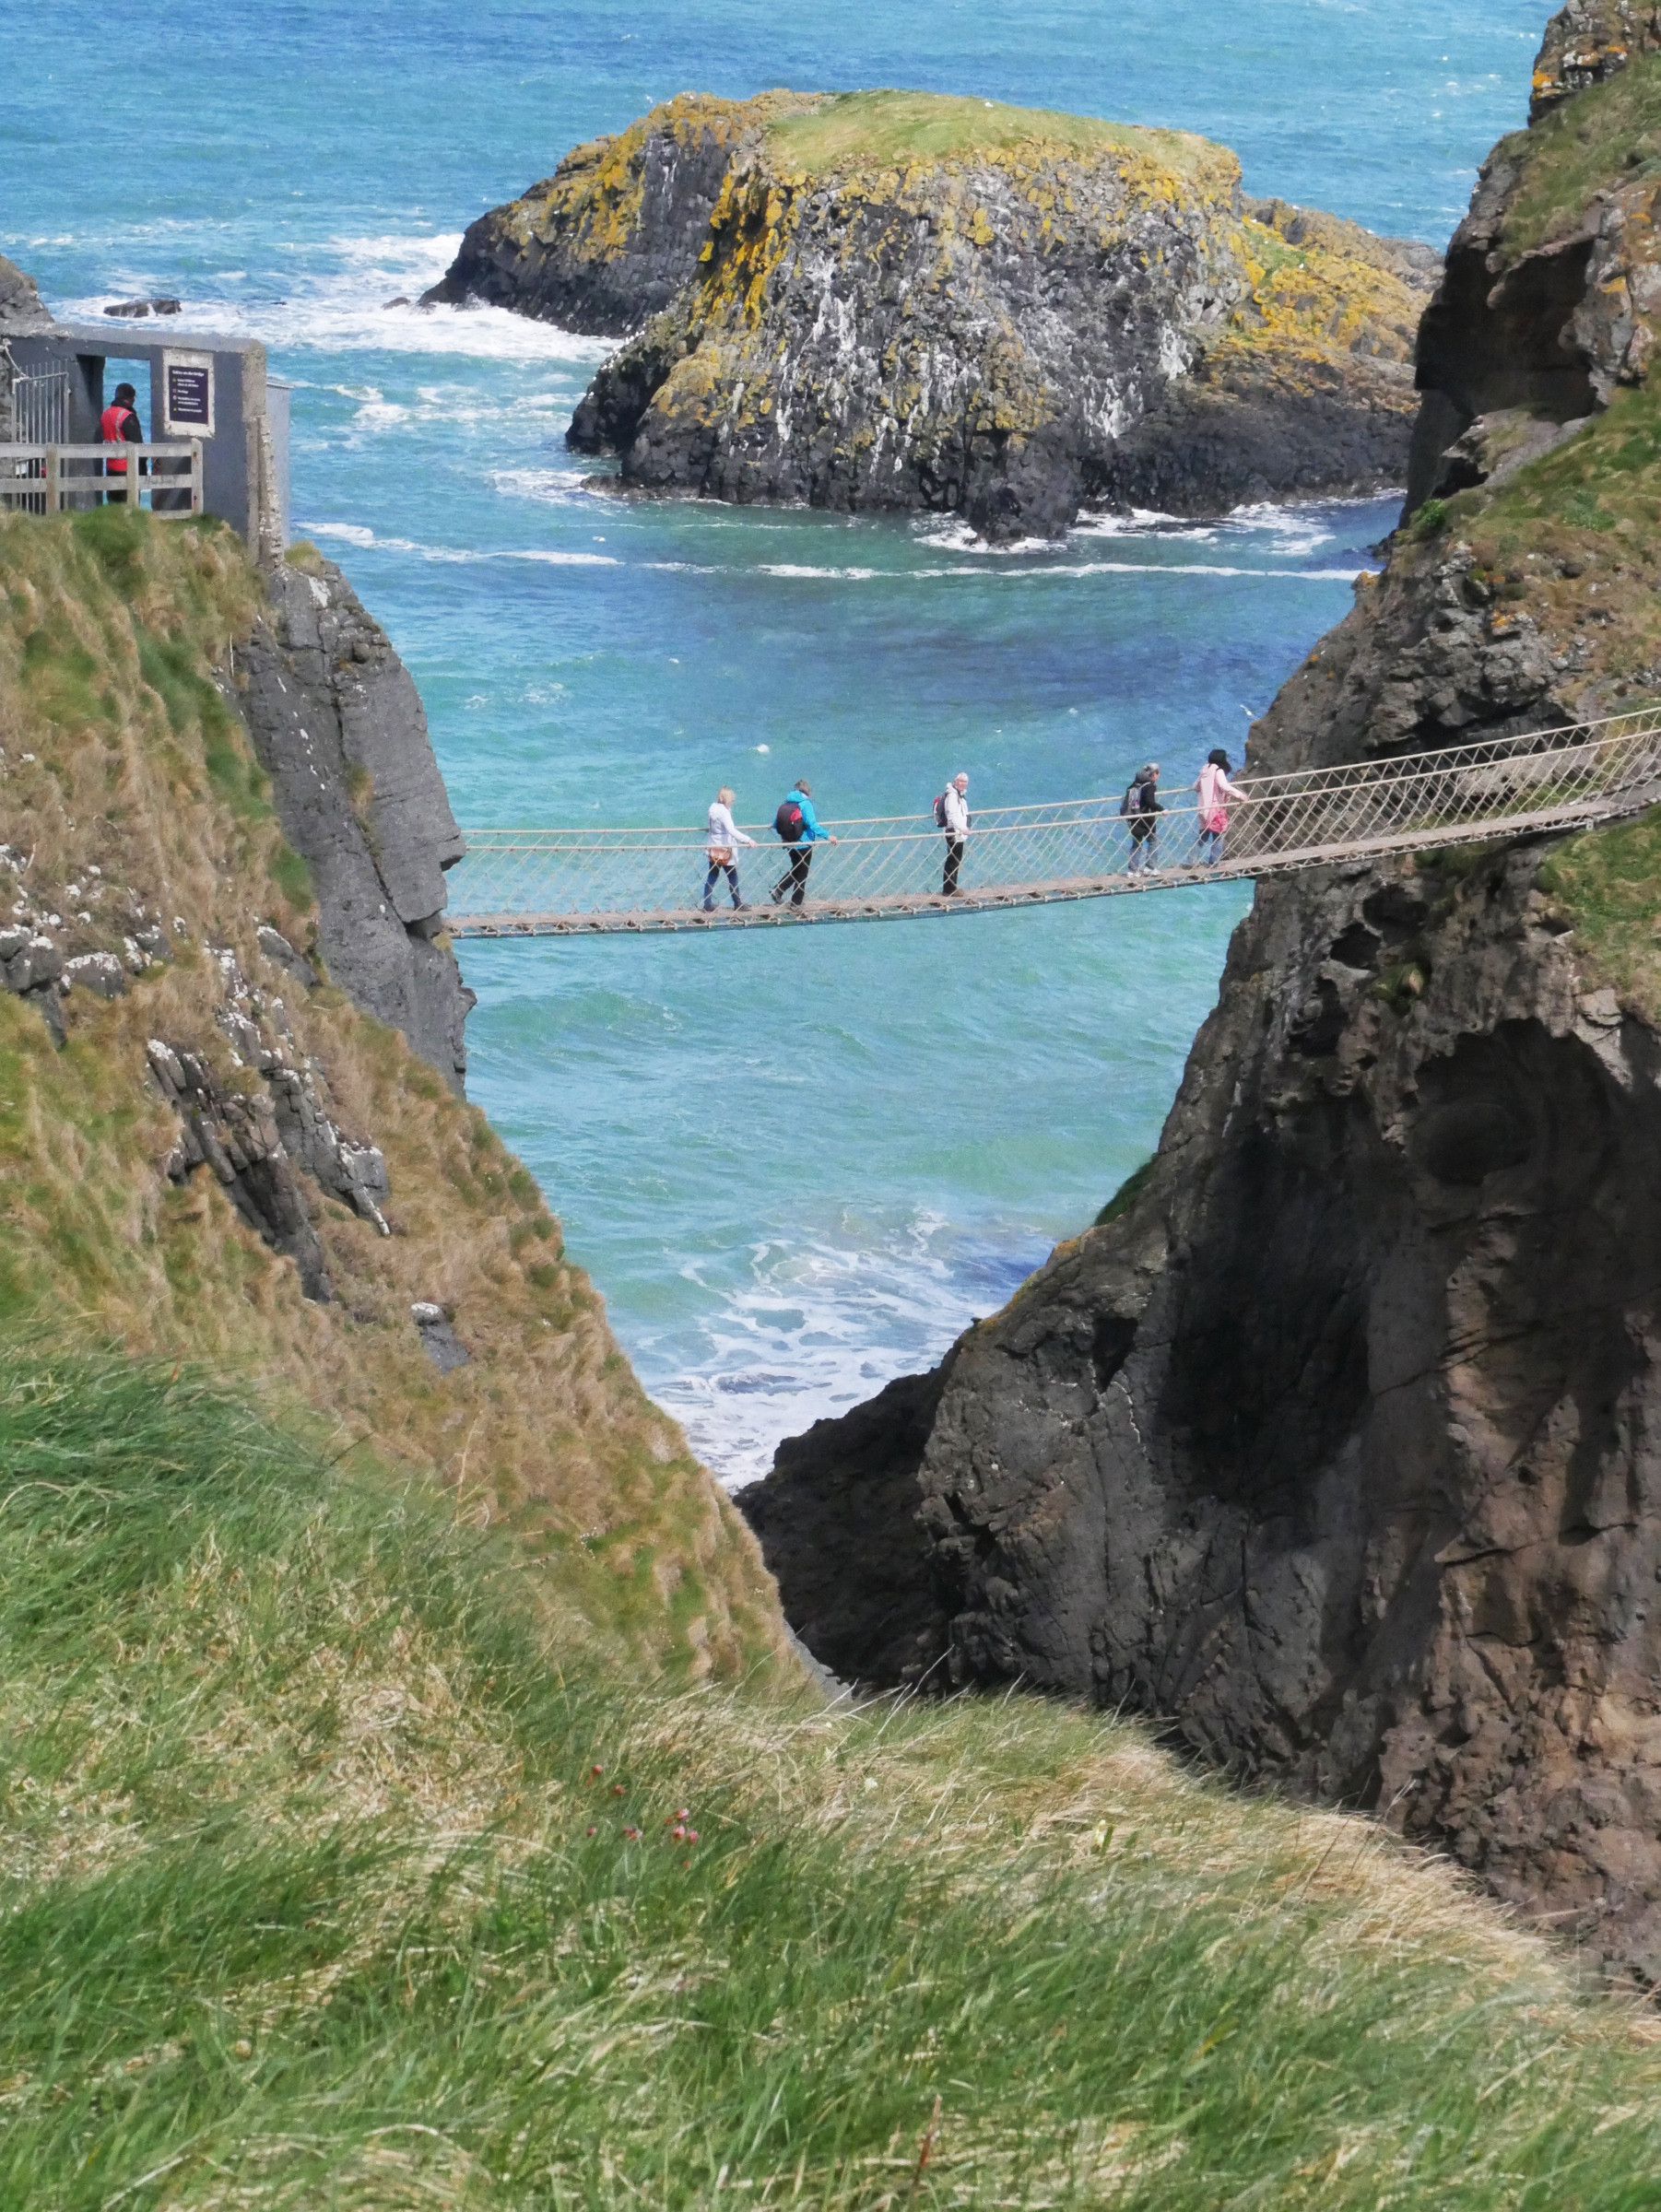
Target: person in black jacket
1141 808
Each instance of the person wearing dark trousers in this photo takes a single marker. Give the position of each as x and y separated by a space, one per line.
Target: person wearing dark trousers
800 830
954 820
725 838
119 425
1141 806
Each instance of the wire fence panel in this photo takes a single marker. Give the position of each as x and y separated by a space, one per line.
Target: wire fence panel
543 882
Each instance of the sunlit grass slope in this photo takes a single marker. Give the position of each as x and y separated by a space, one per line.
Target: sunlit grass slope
842 130
329 1882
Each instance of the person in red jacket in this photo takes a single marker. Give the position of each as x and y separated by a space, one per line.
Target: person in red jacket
119 425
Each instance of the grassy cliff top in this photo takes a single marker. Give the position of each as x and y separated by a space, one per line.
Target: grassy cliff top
330 1880
885 129
1609 135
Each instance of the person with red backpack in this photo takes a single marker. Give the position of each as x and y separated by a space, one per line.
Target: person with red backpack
119 425
799 830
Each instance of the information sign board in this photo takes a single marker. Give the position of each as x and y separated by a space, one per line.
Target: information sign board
187 395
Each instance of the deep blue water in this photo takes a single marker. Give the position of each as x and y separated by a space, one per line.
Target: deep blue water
796 1164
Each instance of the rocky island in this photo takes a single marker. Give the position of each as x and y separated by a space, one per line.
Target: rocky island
1331 1443
891 300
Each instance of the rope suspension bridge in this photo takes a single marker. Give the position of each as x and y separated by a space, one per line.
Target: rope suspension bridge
565 882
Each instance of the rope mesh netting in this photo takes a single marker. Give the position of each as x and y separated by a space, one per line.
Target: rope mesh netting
547 881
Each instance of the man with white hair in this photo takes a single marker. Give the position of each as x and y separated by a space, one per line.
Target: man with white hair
952 814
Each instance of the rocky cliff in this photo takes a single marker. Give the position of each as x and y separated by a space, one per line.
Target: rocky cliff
1549 303
340 728
1333 1444
893 300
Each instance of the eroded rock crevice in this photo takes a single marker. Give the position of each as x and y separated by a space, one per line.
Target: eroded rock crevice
264 1125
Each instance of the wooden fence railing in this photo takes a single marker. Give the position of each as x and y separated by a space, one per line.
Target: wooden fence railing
51 480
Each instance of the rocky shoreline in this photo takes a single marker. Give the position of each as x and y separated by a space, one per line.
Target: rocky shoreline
894 300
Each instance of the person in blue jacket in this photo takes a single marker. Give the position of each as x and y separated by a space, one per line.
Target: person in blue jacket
801 829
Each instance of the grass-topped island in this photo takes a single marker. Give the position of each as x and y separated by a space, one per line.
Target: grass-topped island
916 300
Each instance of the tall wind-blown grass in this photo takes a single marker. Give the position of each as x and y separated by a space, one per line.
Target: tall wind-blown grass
329 1884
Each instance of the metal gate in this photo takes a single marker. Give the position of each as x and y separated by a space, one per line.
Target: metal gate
40 408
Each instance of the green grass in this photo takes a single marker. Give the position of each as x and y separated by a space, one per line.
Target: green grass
1611 134
321 1891
862 129
1605 474
1607 884
1126 1196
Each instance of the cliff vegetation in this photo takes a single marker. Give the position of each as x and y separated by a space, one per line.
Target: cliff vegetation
1610 136
207 1150
329 1879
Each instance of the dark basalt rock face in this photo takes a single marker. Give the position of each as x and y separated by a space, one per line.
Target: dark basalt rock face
339 727
1335 1450
1057 312
595 273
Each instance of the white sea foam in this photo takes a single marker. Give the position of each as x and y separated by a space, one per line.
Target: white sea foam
952 534
337 304
1179 568
361 535
796 568
548 486
820 1325
1141 522
348 534
559 557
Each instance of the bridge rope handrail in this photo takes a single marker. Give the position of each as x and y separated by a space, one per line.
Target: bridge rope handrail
1070 848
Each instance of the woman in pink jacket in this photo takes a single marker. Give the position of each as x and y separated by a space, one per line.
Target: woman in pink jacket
1215 790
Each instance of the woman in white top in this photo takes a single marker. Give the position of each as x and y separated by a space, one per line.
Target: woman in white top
726 837
1214 788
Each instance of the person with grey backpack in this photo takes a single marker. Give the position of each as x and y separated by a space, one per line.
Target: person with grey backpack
1140 807
951 814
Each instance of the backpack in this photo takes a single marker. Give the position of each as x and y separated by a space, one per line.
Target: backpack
940 811
789 821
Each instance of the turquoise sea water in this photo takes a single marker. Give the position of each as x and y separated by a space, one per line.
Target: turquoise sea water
795 1165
